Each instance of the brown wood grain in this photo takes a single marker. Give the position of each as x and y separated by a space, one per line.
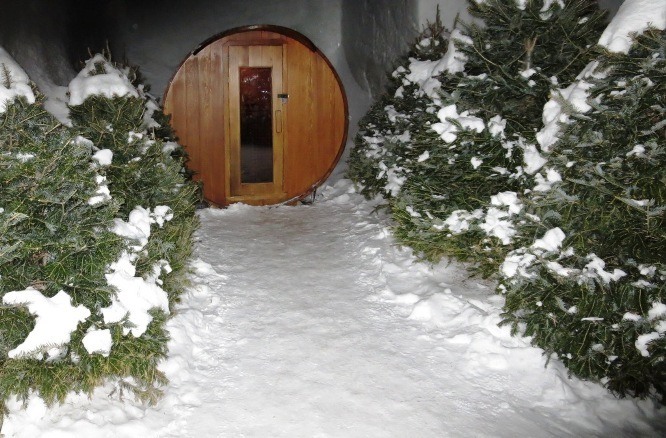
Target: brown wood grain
205 117
219 127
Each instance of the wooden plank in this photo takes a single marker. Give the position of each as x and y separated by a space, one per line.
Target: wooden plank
273 55
207 170
300 126
218 117
254 56
238 56
192 116
327 126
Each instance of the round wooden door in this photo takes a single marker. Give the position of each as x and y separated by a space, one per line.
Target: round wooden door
261 113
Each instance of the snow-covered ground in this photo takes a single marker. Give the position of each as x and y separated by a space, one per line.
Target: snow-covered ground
309 322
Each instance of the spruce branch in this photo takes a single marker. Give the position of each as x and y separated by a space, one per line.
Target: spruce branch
530 44
6 76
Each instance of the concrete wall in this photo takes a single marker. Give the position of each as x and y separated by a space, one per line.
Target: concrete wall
34 32
368 35
372 44
158 35
370 40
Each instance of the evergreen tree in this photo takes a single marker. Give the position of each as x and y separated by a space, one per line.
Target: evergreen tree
54 220
460 198
96 223
147 167
385 135
592 287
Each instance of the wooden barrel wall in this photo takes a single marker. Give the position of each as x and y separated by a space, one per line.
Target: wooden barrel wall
311 121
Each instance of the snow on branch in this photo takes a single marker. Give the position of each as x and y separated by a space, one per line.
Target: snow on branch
99 77
14 82
55 320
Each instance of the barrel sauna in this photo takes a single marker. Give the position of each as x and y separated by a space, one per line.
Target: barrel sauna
262 114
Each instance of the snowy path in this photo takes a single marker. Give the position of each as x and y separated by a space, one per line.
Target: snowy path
308 322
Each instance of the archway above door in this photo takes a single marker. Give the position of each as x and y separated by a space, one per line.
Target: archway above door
262 114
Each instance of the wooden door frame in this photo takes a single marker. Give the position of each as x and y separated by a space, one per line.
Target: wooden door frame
254 192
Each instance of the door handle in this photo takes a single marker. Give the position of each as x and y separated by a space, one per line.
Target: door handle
278 121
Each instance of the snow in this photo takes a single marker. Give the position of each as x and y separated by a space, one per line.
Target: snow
554 112
395 178
657 310
14 82
459 220
309 321
98 341
102 193
517 264
23 158
135 297
551 240
647 270
424 73
544 184
495 225
528 73
161 214
596 268
532 159
634 16
507 199
136 228
643 340
547 4
453 59
55 321
111 83
496 126
628 316
103 157
448 130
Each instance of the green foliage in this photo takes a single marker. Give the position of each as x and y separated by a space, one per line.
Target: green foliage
55 238
611 205
52 238
512 63
579 242
131 363
380 142
520 53
444 147
148 170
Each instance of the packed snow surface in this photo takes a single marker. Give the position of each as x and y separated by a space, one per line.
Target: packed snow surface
310 322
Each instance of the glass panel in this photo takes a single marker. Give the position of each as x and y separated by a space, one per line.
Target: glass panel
256 125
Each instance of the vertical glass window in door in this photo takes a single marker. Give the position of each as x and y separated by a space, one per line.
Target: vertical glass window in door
256 125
